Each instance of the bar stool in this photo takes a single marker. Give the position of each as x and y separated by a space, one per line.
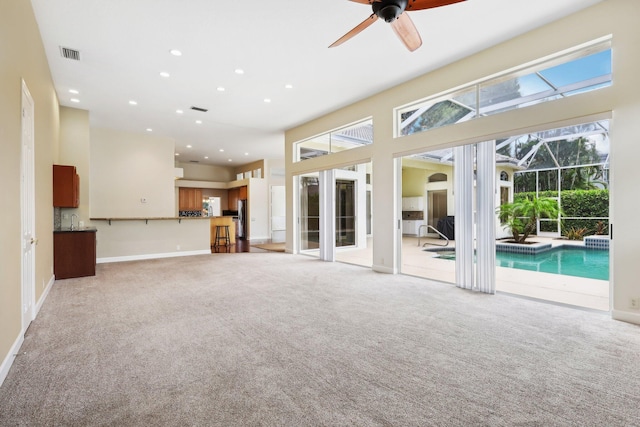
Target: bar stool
222 234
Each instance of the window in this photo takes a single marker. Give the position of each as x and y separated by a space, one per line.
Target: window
346 138
581 71
438 177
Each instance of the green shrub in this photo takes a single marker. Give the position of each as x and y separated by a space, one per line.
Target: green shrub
579 203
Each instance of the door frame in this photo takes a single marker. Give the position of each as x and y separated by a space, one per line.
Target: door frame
27 209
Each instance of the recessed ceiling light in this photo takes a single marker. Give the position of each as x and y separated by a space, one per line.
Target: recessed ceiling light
220 89
246 154
206 157
199 122
175 52
230 160
177 154
74 100
164 74
188 146
132 102
149 130
75 92
288 86
222 150
267 100
239 71
179 111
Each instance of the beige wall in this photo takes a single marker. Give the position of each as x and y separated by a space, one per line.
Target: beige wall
128 167
22 57
616 17
197 172
75 151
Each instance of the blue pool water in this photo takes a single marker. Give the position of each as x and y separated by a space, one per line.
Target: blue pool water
567 260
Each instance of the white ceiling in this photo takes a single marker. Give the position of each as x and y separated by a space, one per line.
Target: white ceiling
125 44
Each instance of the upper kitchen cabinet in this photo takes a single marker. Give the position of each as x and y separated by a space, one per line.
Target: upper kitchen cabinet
66 187
233 195
413 203
190 199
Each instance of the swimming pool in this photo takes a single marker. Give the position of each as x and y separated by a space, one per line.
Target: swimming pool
567 260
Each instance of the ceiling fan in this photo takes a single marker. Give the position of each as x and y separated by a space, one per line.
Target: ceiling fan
392 11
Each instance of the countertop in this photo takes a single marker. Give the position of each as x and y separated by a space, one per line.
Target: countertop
148 218
75 230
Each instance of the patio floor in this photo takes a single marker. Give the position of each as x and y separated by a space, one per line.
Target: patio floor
577 291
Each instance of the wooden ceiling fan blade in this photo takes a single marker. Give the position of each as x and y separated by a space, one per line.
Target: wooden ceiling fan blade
428 4
356 30
407 32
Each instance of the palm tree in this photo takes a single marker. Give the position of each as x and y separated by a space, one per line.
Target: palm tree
521 216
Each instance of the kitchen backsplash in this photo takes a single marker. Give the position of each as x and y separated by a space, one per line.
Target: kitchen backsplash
190 213
412 215
57 218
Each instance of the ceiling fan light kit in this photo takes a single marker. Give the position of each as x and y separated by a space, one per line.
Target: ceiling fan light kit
393 12
389 11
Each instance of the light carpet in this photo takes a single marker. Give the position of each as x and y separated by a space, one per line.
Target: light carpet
266 339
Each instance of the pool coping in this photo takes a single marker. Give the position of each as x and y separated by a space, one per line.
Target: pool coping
535 248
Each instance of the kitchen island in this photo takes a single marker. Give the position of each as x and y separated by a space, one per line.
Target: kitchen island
135 238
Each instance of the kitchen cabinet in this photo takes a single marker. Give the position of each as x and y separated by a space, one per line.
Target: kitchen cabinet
66 187
74 253
413 203
412 227
190 199
233 195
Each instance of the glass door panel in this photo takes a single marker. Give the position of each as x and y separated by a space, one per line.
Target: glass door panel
309 213
345 213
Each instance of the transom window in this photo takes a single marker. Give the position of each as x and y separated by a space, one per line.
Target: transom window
346 138
581 71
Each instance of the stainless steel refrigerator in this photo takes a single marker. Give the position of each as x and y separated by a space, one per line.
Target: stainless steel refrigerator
242 219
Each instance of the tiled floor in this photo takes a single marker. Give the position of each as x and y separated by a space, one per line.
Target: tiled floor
577 291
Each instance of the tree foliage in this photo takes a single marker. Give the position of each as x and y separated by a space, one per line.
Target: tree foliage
580 208
521 216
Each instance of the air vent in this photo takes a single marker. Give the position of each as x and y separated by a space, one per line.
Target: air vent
204 110
194 161
70 53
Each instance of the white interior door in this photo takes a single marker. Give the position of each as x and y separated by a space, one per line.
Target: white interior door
27 193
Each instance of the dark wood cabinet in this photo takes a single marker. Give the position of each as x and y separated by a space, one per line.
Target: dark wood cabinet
66 187
74 253
233 196
190 199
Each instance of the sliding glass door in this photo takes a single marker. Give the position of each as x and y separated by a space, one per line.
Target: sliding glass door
345 213
309 218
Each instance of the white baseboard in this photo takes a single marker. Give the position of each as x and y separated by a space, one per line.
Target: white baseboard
13 351
626 316
152 256
11 355
383 269
44 296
